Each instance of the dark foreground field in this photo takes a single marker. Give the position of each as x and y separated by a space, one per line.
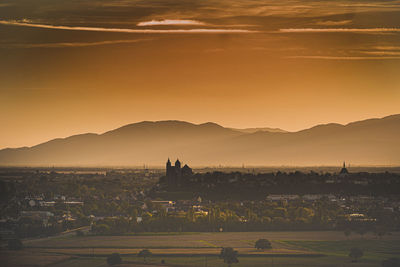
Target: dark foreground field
201 249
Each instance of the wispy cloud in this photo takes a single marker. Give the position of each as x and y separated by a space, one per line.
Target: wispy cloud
355 30
386 47
344 57
73 44
383 4
170 22
333 23
382 53
121 30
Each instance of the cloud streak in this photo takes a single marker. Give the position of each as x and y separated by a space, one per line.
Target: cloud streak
169 22
386 47
121 30
74 44
382 53
344 57
333 23
351 30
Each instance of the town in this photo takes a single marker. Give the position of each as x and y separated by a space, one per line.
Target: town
118 201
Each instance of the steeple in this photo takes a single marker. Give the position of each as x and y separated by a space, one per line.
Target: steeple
177 164
344 170
168 169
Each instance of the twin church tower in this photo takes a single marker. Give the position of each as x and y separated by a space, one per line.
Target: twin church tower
175 174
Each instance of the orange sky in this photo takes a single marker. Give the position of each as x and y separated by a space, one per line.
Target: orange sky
63 71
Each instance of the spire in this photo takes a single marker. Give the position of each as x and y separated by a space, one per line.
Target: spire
177 164
344 170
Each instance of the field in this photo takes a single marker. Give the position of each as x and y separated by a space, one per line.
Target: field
327 248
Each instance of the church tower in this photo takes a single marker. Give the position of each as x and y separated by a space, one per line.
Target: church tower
178 170
168 169
178 164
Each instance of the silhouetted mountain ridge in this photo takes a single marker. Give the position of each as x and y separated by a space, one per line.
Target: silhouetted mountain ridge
371 141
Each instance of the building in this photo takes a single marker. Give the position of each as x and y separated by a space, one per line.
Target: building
344 170
282 197
169 205
176 174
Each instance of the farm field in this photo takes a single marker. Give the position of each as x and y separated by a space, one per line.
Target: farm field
328 248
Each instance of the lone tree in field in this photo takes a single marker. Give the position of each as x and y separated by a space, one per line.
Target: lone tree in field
144 253
262 244
114 259
229 255
355 254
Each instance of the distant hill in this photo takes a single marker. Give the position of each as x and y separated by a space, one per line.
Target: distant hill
264 129
369 142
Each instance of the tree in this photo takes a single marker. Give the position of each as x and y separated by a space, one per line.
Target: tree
355 254
263 244
101 229
80 233
229 255
114 259
15 244
144 253
392 262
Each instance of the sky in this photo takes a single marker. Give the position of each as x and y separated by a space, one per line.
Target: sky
69 67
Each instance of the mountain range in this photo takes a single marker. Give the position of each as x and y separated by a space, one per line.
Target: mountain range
367 142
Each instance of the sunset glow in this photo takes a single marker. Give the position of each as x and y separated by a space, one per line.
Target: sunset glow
68 68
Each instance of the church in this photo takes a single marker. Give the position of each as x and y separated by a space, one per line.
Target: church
176 174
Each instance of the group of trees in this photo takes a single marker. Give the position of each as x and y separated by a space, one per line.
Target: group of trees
263 244
227 254
357 253
233 216
230 256
362 229
237 185
115 258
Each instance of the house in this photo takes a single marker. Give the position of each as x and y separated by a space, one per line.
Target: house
282 197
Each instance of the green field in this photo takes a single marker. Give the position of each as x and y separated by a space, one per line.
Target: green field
327 248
